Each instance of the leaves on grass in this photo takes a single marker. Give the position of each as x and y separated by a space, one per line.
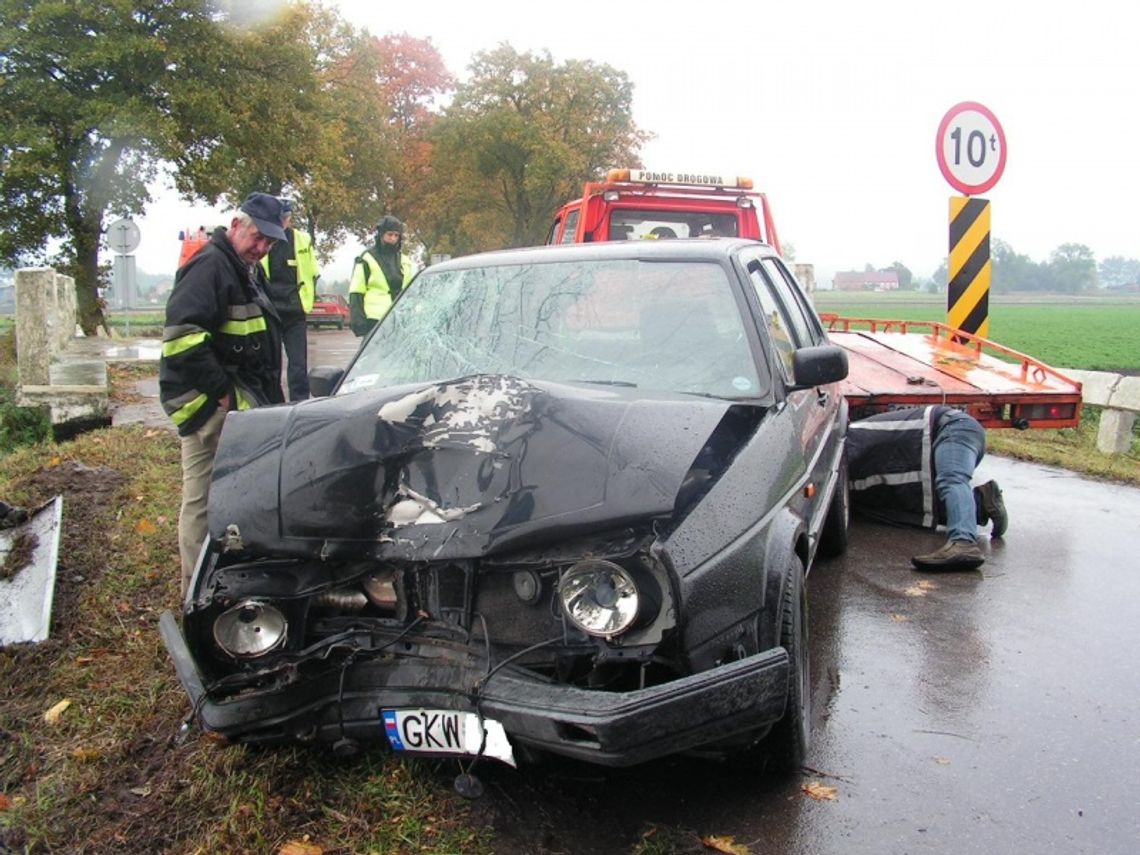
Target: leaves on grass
142 792
300 847
820 792
52 716
724 844
86 755
921 588
5 801
20 554
897 618
145 527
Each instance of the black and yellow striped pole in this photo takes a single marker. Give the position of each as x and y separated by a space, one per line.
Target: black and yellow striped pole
971 153
968 275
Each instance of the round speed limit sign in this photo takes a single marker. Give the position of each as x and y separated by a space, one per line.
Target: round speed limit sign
971 148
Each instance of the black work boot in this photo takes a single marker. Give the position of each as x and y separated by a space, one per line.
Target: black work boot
991 507
952 555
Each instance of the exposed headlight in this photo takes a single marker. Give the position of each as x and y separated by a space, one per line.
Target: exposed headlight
251 628
599 597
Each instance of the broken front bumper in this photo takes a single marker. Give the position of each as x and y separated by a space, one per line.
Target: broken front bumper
608 728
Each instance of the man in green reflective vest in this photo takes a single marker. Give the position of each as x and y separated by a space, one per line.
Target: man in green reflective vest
378 277
221 351
291 271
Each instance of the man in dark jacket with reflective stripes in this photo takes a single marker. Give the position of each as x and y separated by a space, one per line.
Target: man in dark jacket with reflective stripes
913 466
221 351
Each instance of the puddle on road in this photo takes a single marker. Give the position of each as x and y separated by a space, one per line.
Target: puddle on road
135 351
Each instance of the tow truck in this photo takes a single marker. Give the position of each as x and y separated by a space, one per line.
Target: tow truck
893 363
636 204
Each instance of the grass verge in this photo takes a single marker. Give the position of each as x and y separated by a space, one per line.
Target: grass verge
1071 448
109 773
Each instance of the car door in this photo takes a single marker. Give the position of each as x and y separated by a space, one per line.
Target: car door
817 412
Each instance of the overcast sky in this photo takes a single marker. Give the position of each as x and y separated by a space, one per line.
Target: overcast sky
834 109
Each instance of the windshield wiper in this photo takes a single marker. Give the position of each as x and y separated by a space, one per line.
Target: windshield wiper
734 398
608 383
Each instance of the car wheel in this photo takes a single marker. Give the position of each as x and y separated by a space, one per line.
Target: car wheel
833 538
789 738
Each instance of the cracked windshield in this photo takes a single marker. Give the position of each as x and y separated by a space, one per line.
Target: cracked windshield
615 322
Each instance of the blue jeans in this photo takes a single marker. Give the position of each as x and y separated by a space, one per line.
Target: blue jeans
959 445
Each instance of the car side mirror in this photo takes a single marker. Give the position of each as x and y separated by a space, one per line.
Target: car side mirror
323 379
818 366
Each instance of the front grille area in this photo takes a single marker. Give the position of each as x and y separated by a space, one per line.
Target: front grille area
512 622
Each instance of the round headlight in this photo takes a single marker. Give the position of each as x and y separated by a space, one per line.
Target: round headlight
249 629
599 597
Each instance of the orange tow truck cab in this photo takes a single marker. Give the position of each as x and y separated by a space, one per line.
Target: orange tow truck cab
642 204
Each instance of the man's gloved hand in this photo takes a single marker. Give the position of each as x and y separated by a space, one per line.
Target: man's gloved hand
357 322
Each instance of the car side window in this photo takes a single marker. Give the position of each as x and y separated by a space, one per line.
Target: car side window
801 329
775 316
792 292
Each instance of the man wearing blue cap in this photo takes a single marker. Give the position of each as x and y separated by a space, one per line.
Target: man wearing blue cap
221 351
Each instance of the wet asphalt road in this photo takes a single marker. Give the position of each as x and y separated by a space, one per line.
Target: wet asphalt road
983 712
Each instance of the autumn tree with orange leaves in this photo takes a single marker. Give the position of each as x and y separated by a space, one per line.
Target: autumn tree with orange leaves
521 137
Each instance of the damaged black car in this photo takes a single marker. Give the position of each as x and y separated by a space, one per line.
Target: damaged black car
563 500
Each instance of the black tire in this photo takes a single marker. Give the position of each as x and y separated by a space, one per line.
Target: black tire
789 739
833 537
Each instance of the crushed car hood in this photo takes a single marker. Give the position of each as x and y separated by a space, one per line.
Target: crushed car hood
457 469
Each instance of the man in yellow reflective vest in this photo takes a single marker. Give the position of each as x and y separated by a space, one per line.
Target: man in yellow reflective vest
381 272
291 273
221 351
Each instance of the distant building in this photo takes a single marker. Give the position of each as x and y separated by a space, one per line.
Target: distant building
866 280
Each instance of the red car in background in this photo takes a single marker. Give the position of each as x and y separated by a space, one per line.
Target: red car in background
331 309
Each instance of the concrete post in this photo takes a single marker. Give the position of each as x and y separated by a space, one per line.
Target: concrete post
805 273
67 308
1115 433
1118 419
45 321
35 334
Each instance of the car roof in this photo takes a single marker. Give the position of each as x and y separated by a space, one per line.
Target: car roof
681 249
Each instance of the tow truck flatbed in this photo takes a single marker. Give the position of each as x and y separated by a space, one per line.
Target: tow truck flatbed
910 363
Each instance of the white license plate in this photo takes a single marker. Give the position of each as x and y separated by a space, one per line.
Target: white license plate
446 732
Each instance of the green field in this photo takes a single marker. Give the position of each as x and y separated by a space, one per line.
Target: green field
1097 334
1093 333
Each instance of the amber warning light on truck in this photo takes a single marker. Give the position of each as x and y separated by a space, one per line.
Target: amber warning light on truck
695 179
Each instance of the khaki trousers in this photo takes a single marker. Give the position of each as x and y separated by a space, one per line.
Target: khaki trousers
197 466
